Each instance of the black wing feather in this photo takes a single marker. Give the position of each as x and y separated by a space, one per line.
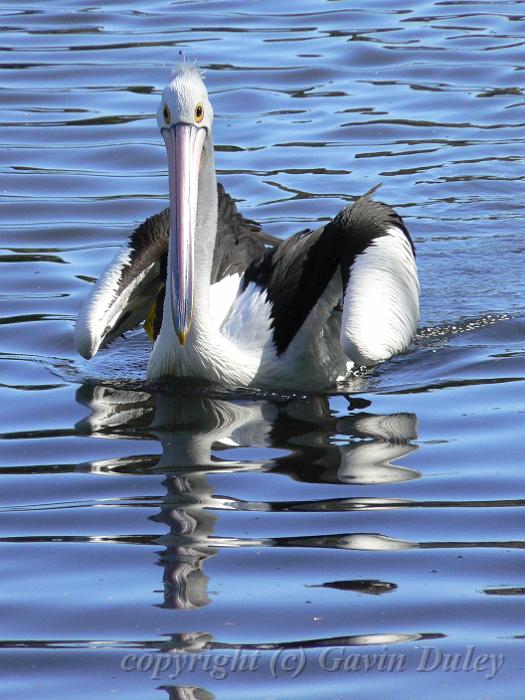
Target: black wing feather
239 240
296 272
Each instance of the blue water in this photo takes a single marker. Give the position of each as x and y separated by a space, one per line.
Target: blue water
319 546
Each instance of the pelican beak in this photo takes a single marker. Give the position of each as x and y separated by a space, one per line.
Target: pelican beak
184 144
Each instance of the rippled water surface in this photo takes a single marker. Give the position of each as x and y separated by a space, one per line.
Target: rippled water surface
343 543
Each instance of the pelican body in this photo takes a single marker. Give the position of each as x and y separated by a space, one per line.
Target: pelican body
226 302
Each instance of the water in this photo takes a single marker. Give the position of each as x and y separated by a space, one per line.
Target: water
349 538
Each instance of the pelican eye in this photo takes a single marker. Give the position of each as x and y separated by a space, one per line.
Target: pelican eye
199 113
166 114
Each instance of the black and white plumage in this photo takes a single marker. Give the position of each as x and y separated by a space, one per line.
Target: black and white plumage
135 279
237 306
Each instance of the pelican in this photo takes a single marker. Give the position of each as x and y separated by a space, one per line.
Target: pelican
226 302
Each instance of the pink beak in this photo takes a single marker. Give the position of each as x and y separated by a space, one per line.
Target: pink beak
184 144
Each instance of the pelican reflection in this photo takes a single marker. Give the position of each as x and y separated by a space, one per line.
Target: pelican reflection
199 435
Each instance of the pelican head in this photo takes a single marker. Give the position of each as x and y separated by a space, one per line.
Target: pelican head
185 118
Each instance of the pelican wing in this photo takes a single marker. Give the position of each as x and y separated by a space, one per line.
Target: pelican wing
294 275
380 282
368 245
127 288
240 241
133 282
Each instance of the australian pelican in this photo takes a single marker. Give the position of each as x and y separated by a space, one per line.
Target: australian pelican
226 302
